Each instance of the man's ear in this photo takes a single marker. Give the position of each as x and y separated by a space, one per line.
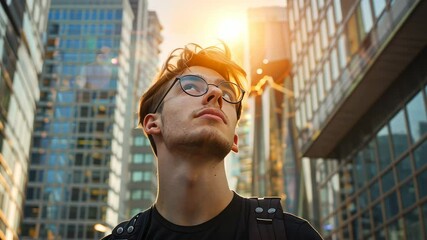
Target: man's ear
235 147
151 124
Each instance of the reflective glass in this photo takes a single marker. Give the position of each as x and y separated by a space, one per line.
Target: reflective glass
383 147
365 7
420 155
338 11
375 190
421 180
417 117
388 181
379 6
395 230
404 168
407 193
412 225
370 160
391 205
399 134
424 216
377 214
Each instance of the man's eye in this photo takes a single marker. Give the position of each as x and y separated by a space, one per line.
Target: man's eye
189 86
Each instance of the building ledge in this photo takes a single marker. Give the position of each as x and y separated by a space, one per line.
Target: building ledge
402 48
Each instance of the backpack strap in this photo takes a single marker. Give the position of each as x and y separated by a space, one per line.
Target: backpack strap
132 229
266 219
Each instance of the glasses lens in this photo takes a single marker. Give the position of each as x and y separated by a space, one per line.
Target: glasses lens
231 92
193 85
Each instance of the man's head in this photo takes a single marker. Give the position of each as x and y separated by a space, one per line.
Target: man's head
180 60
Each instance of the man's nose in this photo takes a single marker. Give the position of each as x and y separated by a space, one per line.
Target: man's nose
214 94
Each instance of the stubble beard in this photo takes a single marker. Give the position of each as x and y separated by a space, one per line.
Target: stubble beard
207 140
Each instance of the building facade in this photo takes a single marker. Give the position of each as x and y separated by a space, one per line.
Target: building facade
75 188
269 74
360 96
142 185
22 24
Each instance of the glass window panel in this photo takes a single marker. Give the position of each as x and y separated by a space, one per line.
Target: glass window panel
395 230
399 133
379 6
366 15
353 35
321 88
138 158
420 155
327 75
365 220
377 214
388 181
331 21
317 47
370 160
407 193
375 190
324 34
315 10
383 147
404 168
391 205
338 11
359 171
342 51
413 225
417 117
421 180
314 96
334 64
309 20
424 210
137 176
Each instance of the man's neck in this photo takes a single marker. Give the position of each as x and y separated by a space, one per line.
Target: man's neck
191 193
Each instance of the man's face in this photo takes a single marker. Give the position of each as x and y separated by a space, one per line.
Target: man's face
206 123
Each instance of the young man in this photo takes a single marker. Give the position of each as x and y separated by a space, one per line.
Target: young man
190 115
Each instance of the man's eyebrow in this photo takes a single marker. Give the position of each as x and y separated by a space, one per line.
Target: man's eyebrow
217 80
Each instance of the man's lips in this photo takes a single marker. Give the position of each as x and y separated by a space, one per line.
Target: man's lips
212 112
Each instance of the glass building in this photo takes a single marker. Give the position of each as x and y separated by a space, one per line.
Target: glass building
22 24
142 185
77 165
360 95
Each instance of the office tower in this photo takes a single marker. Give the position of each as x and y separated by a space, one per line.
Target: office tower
360 94
269 71
142 185
22 24
76 175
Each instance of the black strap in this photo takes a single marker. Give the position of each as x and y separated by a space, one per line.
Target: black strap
132 229
266 219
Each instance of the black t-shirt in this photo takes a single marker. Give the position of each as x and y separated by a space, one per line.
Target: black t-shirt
232 223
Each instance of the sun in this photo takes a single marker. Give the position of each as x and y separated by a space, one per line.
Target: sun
231 29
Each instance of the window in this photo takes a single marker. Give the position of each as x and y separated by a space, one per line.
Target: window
352 35
331 22
138 158
417 117
379 6
407 193
388 181
342 51
391 206
366 15
338 11
383 147
403 168
399 134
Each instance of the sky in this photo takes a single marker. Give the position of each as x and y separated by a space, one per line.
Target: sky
203 21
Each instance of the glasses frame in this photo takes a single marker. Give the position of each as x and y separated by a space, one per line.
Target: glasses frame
207 90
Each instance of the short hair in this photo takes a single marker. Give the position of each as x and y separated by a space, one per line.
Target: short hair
212 57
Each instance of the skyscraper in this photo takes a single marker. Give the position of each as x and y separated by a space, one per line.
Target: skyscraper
22 24
360 94
142 185
269 69
76 176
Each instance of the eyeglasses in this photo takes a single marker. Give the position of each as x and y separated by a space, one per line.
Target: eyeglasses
196 86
